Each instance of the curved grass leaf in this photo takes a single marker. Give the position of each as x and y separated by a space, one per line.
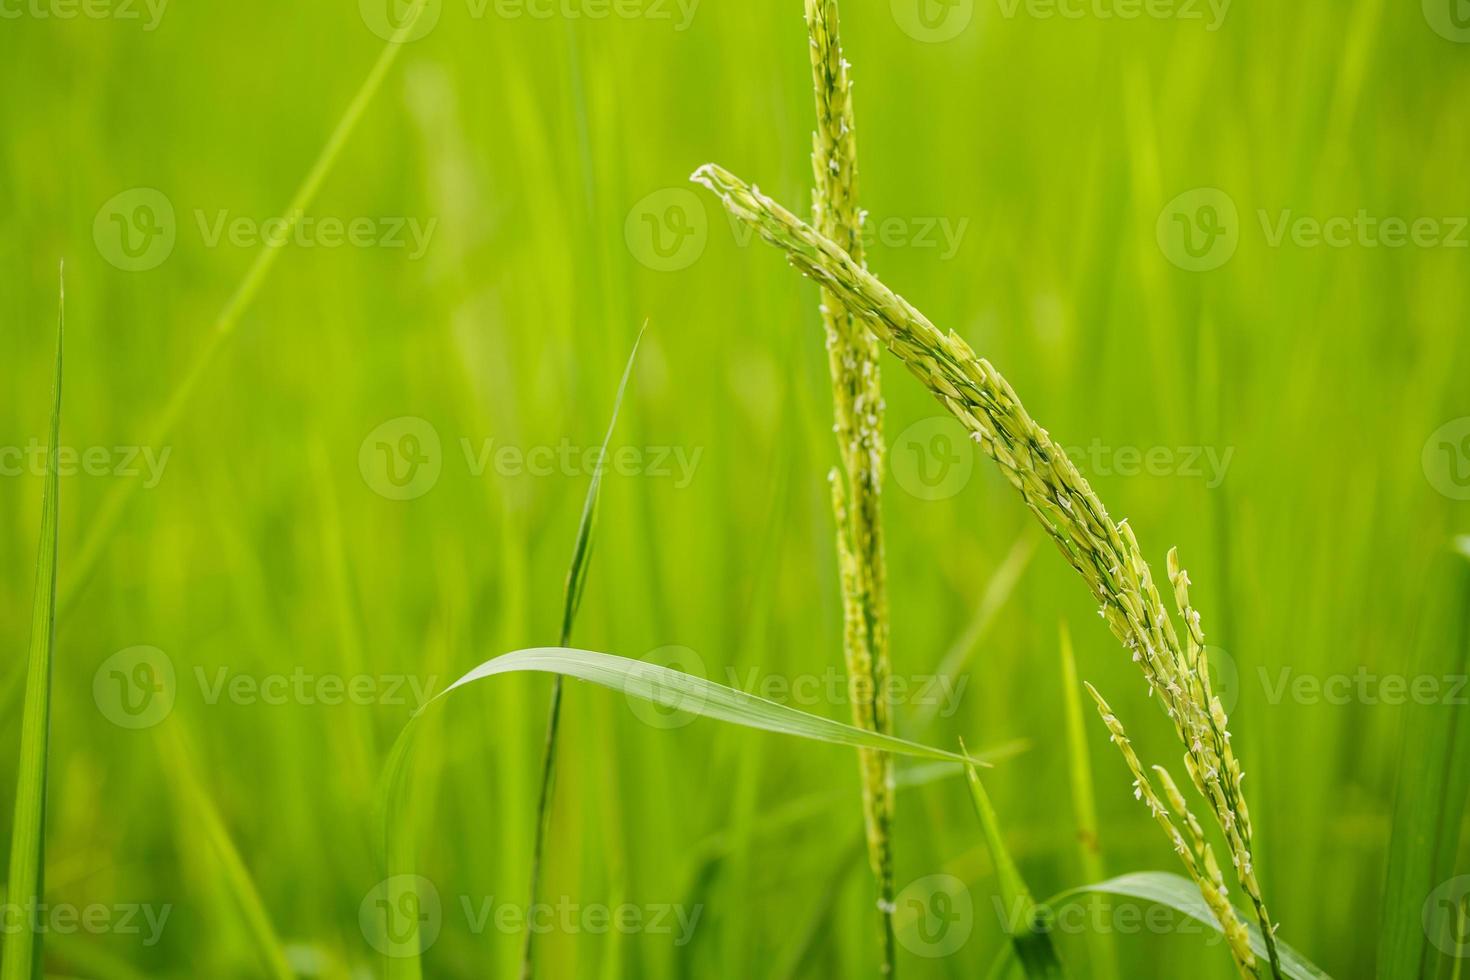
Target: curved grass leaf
677 691
26 883
1182 895
662 686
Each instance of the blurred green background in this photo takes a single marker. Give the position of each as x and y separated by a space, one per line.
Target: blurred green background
1024 174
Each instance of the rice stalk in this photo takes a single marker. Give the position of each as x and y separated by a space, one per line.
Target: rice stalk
857 402
25 888
1106 554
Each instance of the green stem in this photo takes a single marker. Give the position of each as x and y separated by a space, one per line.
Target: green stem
857 401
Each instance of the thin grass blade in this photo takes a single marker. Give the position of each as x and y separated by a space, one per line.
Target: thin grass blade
25 888
576 581
1101 947
1025 921
1422 906
197 806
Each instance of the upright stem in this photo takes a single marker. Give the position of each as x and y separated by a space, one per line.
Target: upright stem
857 399
576 579
543 814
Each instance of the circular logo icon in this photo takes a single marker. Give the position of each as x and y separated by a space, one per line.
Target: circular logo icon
1446 459
664 700
400 20
1199 230
933 459
1449 18
401 459
401 916
668 229
135 688
1446 917
136 230
933 21
934 916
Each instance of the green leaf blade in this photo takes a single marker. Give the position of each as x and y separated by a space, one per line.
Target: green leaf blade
1026 922
1183 896
678 691
26 883
572 601
1418 930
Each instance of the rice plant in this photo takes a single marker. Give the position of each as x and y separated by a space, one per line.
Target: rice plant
1105 553
549 142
